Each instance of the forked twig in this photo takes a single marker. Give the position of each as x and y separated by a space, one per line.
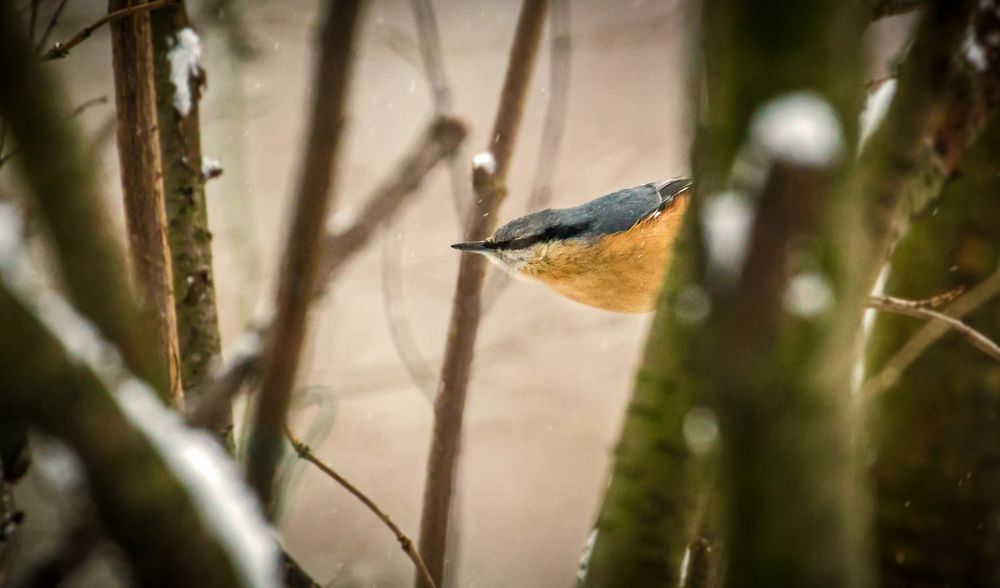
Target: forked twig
304 452
918 310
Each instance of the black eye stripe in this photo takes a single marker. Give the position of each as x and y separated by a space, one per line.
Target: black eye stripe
550 234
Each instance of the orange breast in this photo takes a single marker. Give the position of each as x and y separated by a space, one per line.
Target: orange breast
622 272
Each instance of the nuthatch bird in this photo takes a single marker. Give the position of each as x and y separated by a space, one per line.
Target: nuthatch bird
610 253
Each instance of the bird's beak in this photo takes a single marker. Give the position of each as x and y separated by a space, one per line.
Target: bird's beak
473 246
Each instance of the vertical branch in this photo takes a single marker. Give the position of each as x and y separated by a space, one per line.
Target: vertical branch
176 46
139 156
301 258
489 182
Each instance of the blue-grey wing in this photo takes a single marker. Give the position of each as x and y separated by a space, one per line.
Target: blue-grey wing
621 210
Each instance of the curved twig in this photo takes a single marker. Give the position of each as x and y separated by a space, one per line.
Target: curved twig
304 452
916 310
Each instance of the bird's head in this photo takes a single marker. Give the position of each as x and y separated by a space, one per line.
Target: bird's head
525 245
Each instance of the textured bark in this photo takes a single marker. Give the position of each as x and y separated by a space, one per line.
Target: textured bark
490 189
187 219
297 281
938 466
88 256
139 156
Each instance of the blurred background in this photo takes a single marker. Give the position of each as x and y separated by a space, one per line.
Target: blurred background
551 377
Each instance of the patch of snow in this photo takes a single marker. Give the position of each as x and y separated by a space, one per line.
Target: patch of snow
875 108
227 507
486 162
973 52
185 62
588 550
808 294
211 168
700 429
801 128
727 219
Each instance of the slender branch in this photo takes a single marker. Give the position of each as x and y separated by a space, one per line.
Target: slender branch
916 310
553 125
930 334
50 27
489 183
298 278
60 50
142 184
442 137
405 542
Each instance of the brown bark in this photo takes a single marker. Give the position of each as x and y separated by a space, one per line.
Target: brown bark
139 156
297 280
187 218
490 187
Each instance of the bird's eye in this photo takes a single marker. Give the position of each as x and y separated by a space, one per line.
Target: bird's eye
521 242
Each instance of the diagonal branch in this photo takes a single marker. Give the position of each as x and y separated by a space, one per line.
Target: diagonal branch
298 277
489 182
917 310
438 142
405 542
60 50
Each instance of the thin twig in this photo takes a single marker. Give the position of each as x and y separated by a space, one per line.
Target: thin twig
405 542
929 334
442 137
489 182
301 260
44 40
60 50
919 310
560 52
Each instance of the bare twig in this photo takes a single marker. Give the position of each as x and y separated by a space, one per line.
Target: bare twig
301 260
917 310
50 27
560 52
405 542
930 334
142 184
60 50
489 183
442 137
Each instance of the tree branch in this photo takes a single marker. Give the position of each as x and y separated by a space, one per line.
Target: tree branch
60 50
299 274
489 182
405 542
142 184
917 310
186 208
